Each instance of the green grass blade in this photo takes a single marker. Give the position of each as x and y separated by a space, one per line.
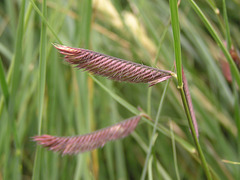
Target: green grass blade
163 172
42 79
3 83
9 75
177 50
150 173
227 33
176 37
45 21
174 151
12 13
88 21
155 62
154 131
6 52
237 120
15 81
42 66
117 98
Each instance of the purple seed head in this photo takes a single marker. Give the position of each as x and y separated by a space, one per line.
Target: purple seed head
189 101
112 67
88 142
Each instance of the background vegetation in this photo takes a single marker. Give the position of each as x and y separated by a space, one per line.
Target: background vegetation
43 95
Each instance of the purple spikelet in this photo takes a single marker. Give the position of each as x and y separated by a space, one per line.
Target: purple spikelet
112 67
88 142
189 101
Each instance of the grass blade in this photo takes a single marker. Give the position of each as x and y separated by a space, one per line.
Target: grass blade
174 151
42 79
176 37
227 33
3 83
154 131
187 107
45 21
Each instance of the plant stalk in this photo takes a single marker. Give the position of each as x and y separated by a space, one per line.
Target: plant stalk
190 122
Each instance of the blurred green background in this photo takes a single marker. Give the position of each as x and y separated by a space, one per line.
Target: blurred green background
45 95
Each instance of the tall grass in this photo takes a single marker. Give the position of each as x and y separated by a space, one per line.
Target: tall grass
42 94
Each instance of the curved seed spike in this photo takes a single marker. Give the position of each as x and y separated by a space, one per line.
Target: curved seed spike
189 101
112 67
88 142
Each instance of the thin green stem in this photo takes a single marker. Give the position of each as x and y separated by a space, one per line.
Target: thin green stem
42 68
190 122
3 83
154 131
116 97
14 86
9 76
27 16
42 79
44 20
227 33
149 94
176 37
88 22
177 50
237 118
150 173
174 151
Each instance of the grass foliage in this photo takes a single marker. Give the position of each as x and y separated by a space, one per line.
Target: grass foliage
40 94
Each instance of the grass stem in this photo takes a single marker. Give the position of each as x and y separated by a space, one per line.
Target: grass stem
190 122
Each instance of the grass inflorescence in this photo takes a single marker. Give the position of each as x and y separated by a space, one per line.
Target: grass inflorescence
46 98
